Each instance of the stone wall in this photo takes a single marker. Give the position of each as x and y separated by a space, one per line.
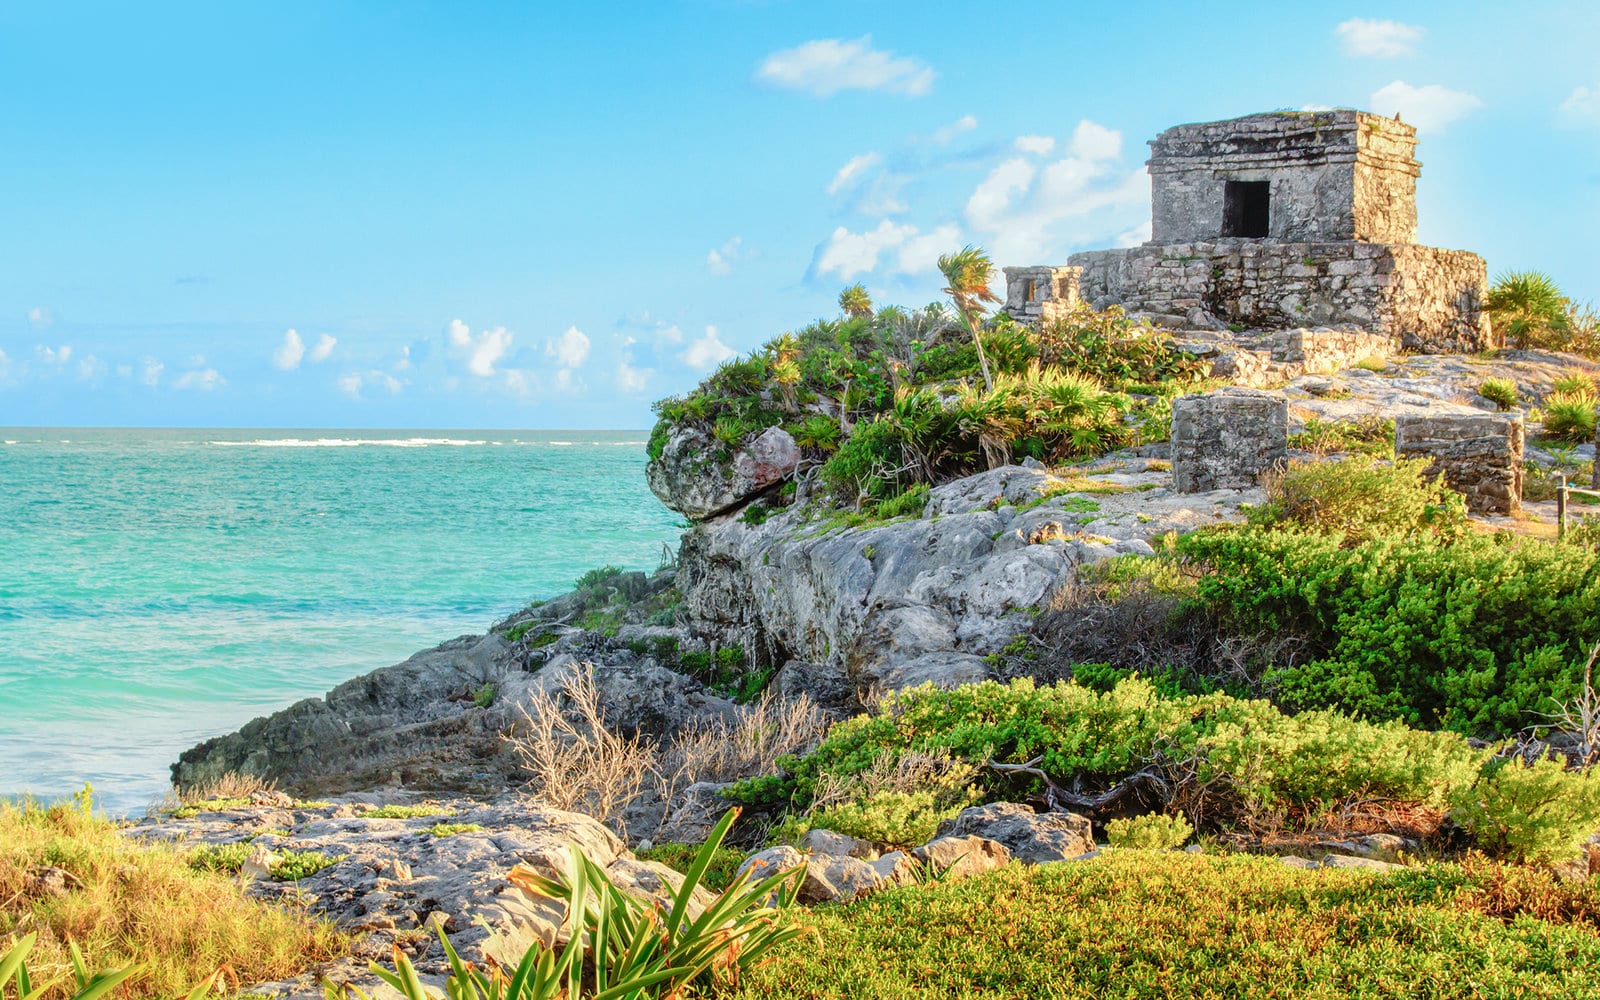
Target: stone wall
1479 454
1227 439
1041 294
1430 299
1333 175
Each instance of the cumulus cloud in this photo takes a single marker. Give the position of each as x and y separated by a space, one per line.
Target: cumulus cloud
828 65
945 133
323 348
1026 212
847 175
631 379
720 260
901 247
1430 108
483 350
53 355
1376 39
40 318
150 371
200 379
287 356
571 349
353 383
1582 106
91 368
1038 145
707 352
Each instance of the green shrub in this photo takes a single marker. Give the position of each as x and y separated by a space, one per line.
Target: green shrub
1480 635
418 811
1150 832
224 859
1500 391
1224 758
1577 382
1360 498
292 866
1532 813
1570 416
451 829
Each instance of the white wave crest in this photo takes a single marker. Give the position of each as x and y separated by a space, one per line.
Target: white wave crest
349 443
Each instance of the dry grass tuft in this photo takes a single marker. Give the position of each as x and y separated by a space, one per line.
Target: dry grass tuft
125 902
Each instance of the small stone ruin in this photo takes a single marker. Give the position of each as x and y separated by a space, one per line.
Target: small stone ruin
1277 221
1479 454
1227 439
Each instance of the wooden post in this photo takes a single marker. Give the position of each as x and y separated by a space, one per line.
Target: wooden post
1561 508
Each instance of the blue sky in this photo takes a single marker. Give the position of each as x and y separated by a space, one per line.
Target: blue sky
518 215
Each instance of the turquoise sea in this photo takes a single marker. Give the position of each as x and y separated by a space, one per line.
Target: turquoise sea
158 587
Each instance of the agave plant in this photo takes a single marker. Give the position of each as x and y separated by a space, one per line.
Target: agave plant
636 950
90 986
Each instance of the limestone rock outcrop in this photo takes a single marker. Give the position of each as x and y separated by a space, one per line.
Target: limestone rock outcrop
698 477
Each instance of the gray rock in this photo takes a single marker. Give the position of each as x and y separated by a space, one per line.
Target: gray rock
963 856
1030 836
827 842
692 814
1348 861
689 478
895 868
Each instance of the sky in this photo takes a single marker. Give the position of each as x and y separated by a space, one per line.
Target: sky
473 215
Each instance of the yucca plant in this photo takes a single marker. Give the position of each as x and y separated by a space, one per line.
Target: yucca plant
636 950
90 986
632 941
1529 310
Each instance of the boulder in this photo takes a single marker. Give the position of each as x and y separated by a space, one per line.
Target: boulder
689 477
828 878
827 842
963 856
1030 836
895 868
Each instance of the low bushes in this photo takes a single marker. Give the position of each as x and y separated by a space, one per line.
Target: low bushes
1362 498
1480 635
1174 925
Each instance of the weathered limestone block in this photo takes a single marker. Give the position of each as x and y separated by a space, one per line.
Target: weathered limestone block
1227 439
1041 294
1479 454
690 477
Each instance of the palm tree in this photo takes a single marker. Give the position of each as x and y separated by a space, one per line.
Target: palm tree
967 273
1528 309
855 301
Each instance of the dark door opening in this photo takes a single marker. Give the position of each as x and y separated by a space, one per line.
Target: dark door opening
1246 208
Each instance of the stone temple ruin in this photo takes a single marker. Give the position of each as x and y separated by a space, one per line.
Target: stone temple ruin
1277 221
1296 230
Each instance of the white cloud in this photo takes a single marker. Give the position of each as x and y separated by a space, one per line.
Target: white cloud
905 249
353 383
707 352
852 170
201 379
1430 108
1582 105
124 371
1039 145
287 356
404 361
150 373
1027 213
571 349
1362 36
53 355
966 123
720 260
482 351
91 368
40 318
829 65
325 345
631 379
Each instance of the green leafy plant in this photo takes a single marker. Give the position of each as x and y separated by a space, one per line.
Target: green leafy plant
451 829
484 696
1500 391
1574 382
1361 498
418 811
292 866
1570 416
1540 812
90 986
1150 832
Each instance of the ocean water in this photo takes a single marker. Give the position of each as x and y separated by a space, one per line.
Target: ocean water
158 587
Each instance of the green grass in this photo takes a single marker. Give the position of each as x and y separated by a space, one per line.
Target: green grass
408 812
1134 924
724 863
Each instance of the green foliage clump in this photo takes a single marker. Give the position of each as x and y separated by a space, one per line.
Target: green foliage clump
1539 813
1500 391
292 866
1360 498
1150 832
451 829
1570 416
1227 758
1530 309
484 696
1479 635
223 859
1154 927
1370 435
719 874
1575 382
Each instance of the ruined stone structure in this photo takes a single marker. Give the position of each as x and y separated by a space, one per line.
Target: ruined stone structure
1041 294
1281 220
1227 439
1479 454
